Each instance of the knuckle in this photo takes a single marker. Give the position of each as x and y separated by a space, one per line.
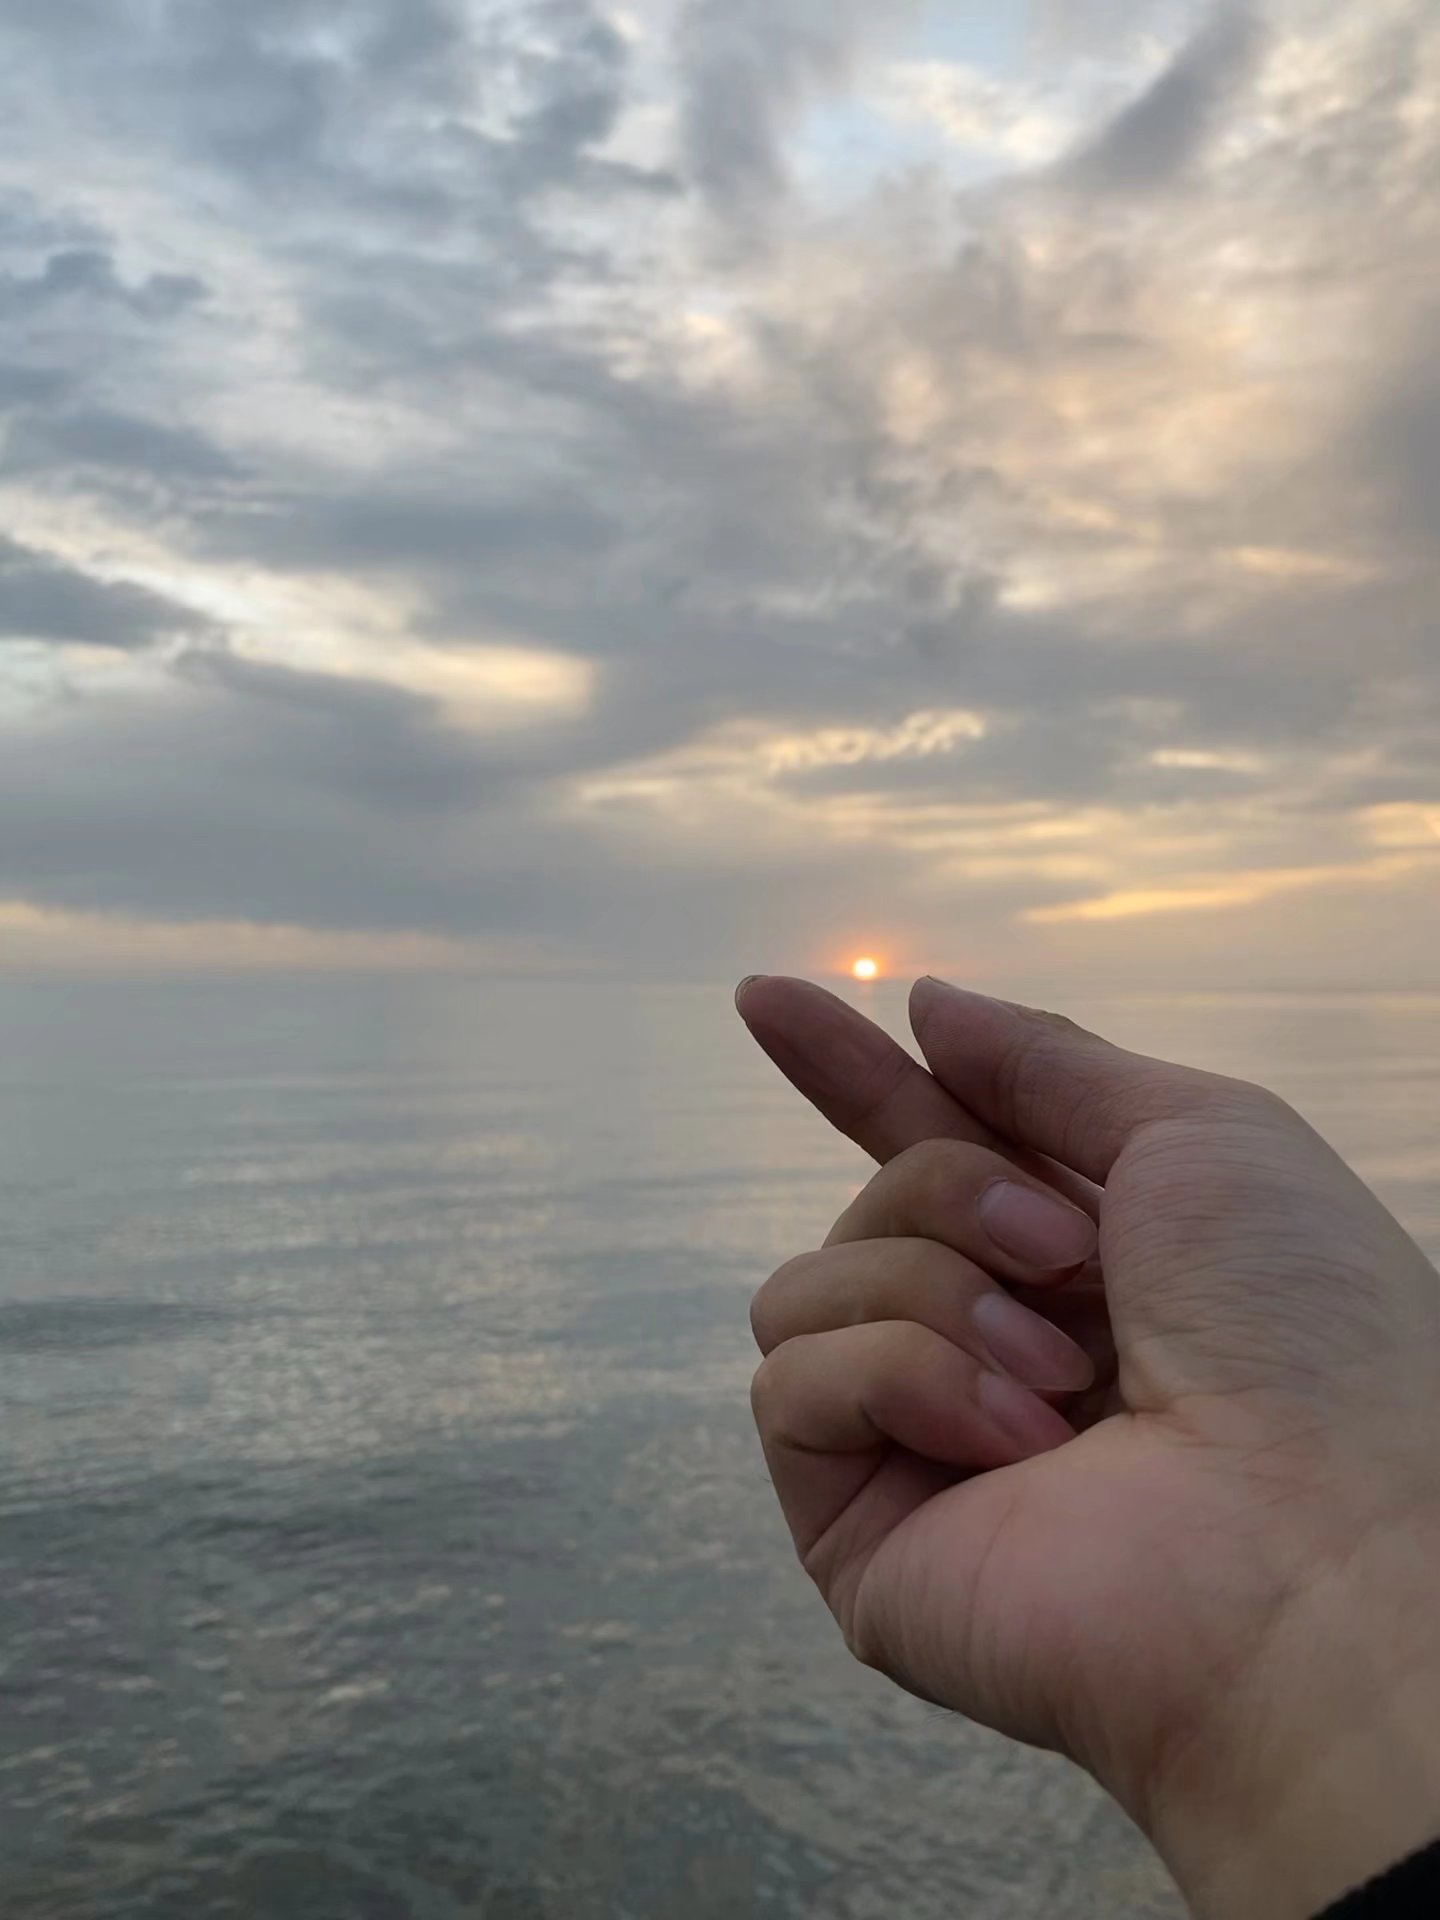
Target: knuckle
767 1306
913 1269
879 1086
1166 1098
1019 1074
932 1170
863 1644
793 1273
1060 1024
931 1159
770 1389
1221 1096
759 1318
1266 1104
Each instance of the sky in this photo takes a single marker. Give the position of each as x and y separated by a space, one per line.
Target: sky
678 488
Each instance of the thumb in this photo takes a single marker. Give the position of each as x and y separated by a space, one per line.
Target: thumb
1043 1083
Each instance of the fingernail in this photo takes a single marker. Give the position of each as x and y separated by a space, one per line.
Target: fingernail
1039 1228
744 987
1025 1421
1031 1348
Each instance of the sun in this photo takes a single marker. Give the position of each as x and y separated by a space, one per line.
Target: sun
866 970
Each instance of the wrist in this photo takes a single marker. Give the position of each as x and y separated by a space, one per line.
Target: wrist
1321 1769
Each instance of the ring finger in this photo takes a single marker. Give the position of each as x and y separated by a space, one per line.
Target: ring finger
862 1283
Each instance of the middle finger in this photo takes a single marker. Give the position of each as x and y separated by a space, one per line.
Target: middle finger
980 1205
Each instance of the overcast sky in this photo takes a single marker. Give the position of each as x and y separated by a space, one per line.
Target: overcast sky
698 486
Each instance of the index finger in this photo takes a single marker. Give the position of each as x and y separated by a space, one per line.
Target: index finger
864 1083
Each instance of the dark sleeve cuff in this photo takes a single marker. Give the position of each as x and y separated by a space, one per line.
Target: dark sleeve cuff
1411 1891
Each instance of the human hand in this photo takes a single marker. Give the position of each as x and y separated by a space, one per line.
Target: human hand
1222 1597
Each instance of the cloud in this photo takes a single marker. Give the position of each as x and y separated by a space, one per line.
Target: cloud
997 550
419 527
276 799
87 276
99 437
1397 444
27 386
1154 141
750 68
46 602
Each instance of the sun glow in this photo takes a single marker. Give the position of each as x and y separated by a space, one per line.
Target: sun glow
866 970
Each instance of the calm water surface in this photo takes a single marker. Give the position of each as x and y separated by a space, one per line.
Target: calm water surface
382 1532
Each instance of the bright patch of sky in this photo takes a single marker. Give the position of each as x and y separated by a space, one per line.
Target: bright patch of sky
976 92
994 37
